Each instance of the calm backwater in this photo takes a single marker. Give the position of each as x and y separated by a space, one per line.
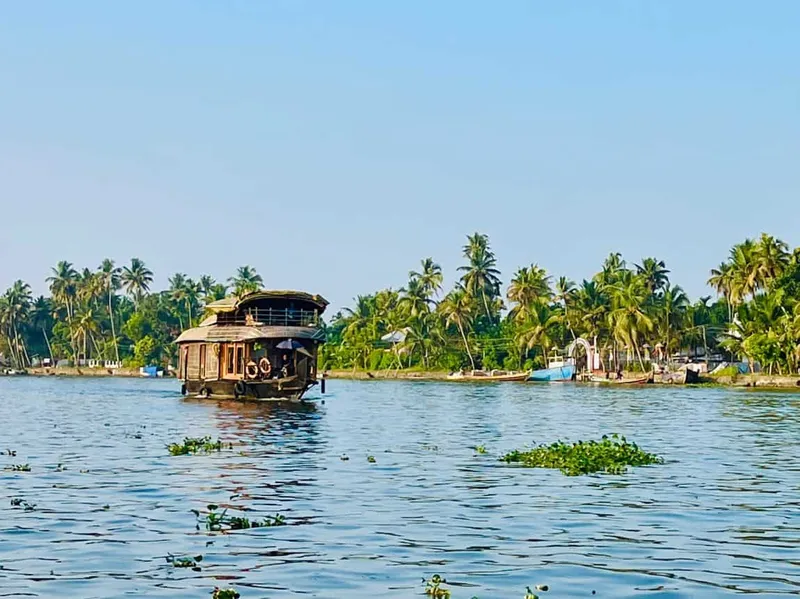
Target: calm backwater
720 518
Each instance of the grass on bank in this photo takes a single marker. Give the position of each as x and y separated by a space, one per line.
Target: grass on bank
612 455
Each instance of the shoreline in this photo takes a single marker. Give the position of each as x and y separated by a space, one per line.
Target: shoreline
760 381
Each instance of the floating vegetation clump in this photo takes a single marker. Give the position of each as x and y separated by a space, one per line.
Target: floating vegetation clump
11 452
185 562
481 449
215 521
371 459
612 455
19 468
219 593
19 502
192 445
434 588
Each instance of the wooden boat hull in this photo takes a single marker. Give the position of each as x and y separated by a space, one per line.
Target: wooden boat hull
283 389
683 377
637 381
515 376
558 373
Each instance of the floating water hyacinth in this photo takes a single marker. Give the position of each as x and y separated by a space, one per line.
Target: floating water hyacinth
611 455
215 521
19 468
434 588
185 562
192 445
219 593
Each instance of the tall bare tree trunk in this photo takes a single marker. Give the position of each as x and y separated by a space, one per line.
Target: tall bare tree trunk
466 344
111 318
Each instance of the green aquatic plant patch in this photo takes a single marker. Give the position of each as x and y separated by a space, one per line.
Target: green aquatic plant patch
215 521
185 562
434 587
219 593
19 468
612 455
192 445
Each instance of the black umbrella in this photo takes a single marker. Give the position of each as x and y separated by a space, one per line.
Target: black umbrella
289 344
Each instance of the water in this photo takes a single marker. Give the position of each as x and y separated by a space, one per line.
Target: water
721 517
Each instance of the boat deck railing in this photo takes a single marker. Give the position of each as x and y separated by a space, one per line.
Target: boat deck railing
274 317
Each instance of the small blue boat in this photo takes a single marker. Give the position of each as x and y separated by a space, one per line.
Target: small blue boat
558 369
554 373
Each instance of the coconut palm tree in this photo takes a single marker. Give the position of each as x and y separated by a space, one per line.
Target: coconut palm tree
41 318
721 281
458 308
628 318
772 257
481 278
63 290
565 293
136 280
16 306
415 299
110 277
430 277
246 281
530 286
673 304
654 273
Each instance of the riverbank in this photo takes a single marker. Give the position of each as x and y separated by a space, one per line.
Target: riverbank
765 381
87 372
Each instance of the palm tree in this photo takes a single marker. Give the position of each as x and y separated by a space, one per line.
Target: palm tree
17 306
628 318
481 277
136 280
673 304
430 277
565 293
414 299
654 273
721 281
109 275
530 286
40 317
246 281
63 290
772 257
457 308
178 293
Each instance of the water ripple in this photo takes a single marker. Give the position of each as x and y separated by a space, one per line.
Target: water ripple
718 518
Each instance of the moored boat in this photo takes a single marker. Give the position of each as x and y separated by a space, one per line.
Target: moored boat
642 380
558 369
492 375
263 345
686 376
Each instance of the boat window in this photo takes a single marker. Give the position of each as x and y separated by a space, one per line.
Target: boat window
230 357
240 360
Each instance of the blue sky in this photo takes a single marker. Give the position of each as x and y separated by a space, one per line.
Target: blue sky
332 145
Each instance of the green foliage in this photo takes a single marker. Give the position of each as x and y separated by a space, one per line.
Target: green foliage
434 587
228 593
185 562
193 445
215 521
611 455
19 468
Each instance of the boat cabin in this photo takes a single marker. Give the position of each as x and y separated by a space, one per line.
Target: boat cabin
262 345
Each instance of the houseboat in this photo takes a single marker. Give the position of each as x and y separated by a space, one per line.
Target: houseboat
263 345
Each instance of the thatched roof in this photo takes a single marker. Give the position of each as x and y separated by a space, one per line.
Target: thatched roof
233 303
237 334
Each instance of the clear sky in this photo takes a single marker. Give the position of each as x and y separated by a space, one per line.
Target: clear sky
332 145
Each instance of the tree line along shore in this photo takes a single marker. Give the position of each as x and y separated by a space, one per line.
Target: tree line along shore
633 312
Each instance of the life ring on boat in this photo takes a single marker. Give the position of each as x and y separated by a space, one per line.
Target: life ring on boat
239 389
251 370
265 367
